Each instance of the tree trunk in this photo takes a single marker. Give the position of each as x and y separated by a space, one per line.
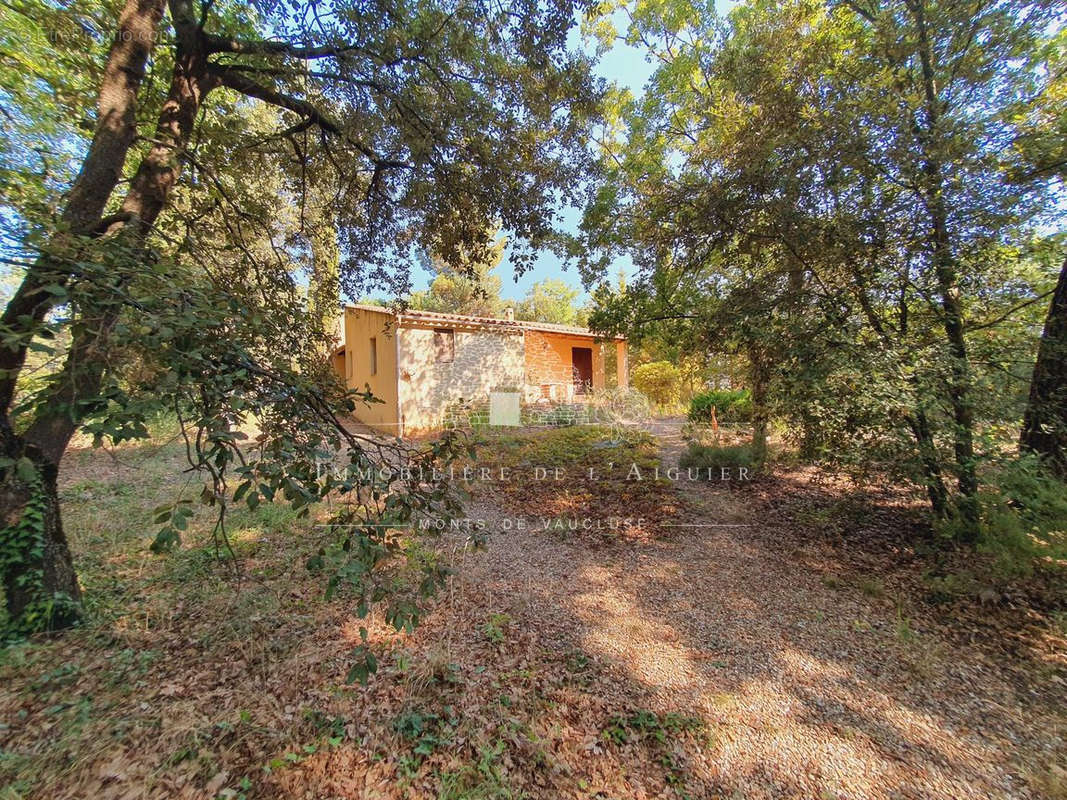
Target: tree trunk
1045 424
758 375
959 392
40 585
116 127
47 437
149 191
945 271
935 484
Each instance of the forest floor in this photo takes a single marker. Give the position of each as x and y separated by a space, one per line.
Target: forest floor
787 636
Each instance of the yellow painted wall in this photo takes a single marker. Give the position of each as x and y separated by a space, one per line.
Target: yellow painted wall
337 362
549 359
622 365
360 326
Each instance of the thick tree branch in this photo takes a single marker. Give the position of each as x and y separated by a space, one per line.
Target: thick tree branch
88 197
236 80
867 14
1010 312
224 44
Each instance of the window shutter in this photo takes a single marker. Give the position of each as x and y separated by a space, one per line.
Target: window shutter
444 343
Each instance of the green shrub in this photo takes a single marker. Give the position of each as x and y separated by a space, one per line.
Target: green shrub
1024 516
702 456
731 405
557 416
658 381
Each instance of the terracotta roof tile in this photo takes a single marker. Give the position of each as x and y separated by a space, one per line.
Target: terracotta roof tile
495 323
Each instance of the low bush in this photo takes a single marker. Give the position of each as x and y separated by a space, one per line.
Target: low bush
466 414
556 416
658 381
731 405
1024 516
703 456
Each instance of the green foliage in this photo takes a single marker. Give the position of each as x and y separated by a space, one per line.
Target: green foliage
1043 124
824 191
659 731
480 781
175 517
420 129
50 62
371 562
871 586
658 381
1024 517
551 300
467 287
425 731
731 405
576 445
950 587
222 360
904 630
648 724
324 290
716 457
494 627
22 552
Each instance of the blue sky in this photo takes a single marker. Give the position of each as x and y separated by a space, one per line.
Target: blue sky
627 66
623 64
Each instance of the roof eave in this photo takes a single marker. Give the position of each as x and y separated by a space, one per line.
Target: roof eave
480 323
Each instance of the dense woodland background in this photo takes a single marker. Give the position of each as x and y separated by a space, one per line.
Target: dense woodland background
846 221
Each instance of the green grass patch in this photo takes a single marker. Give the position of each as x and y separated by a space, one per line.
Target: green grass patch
715 457
1023 510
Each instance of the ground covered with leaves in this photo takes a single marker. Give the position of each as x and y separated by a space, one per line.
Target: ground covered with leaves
736 644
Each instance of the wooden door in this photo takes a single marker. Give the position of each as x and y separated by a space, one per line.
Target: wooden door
582 359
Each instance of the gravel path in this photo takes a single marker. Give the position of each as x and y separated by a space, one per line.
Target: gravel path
733 655
809 690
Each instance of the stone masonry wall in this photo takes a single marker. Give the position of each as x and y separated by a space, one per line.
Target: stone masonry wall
546 371
549 368
483 361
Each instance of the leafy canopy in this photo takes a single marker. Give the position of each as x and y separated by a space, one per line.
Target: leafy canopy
851 196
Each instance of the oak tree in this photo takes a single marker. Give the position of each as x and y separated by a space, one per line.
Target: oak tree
159 278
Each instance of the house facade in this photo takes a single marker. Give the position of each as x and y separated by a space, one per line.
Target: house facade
421 364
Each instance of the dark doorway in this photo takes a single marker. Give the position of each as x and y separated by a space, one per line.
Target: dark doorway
582 358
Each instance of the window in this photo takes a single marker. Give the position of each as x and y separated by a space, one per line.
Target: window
373 356
444 344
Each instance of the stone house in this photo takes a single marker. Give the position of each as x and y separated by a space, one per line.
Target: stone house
421 364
